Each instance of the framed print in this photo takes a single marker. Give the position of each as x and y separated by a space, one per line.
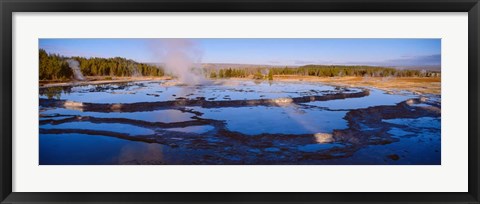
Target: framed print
260 101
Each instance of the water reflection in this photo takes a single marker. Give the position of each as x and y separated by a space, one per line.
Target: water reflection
96 149
340 131
113 127
157 91
141 154
55 92
167 116
277 120
375 98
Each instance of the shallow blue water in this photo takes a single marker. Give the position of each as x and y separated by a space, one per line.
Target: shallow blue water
419 139
376 98
81 149
161 91
112 127
193 129
166 116
277 120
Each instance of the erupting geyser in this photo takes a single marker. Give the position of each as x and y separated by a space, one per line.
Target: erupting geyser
181 58
75 66
135 72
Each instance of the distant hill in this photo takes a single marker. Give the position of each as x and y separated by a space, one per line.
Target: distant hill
232 65
214 66
427 68
239 66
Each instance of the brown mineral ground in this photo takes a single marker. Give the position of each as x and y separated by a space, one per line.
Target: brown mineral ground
420 85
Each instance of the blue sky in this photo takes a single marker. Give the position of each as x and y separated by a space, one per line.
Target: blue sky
288 51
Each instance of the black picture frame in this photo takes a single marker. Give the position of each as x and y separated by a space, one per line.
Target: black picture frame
7 8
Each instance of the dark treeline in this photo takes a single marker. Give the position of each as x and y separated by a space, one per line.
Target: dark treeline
320 71
256 73
336 70
117 66
55 67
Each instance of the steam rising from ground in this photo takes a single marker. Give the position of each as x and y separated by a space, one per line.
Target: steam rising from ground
75 66
134 71
181 58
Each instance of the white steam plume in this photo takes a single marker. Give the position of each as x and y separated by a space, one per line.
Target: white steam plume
181 58
134 70
75 66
